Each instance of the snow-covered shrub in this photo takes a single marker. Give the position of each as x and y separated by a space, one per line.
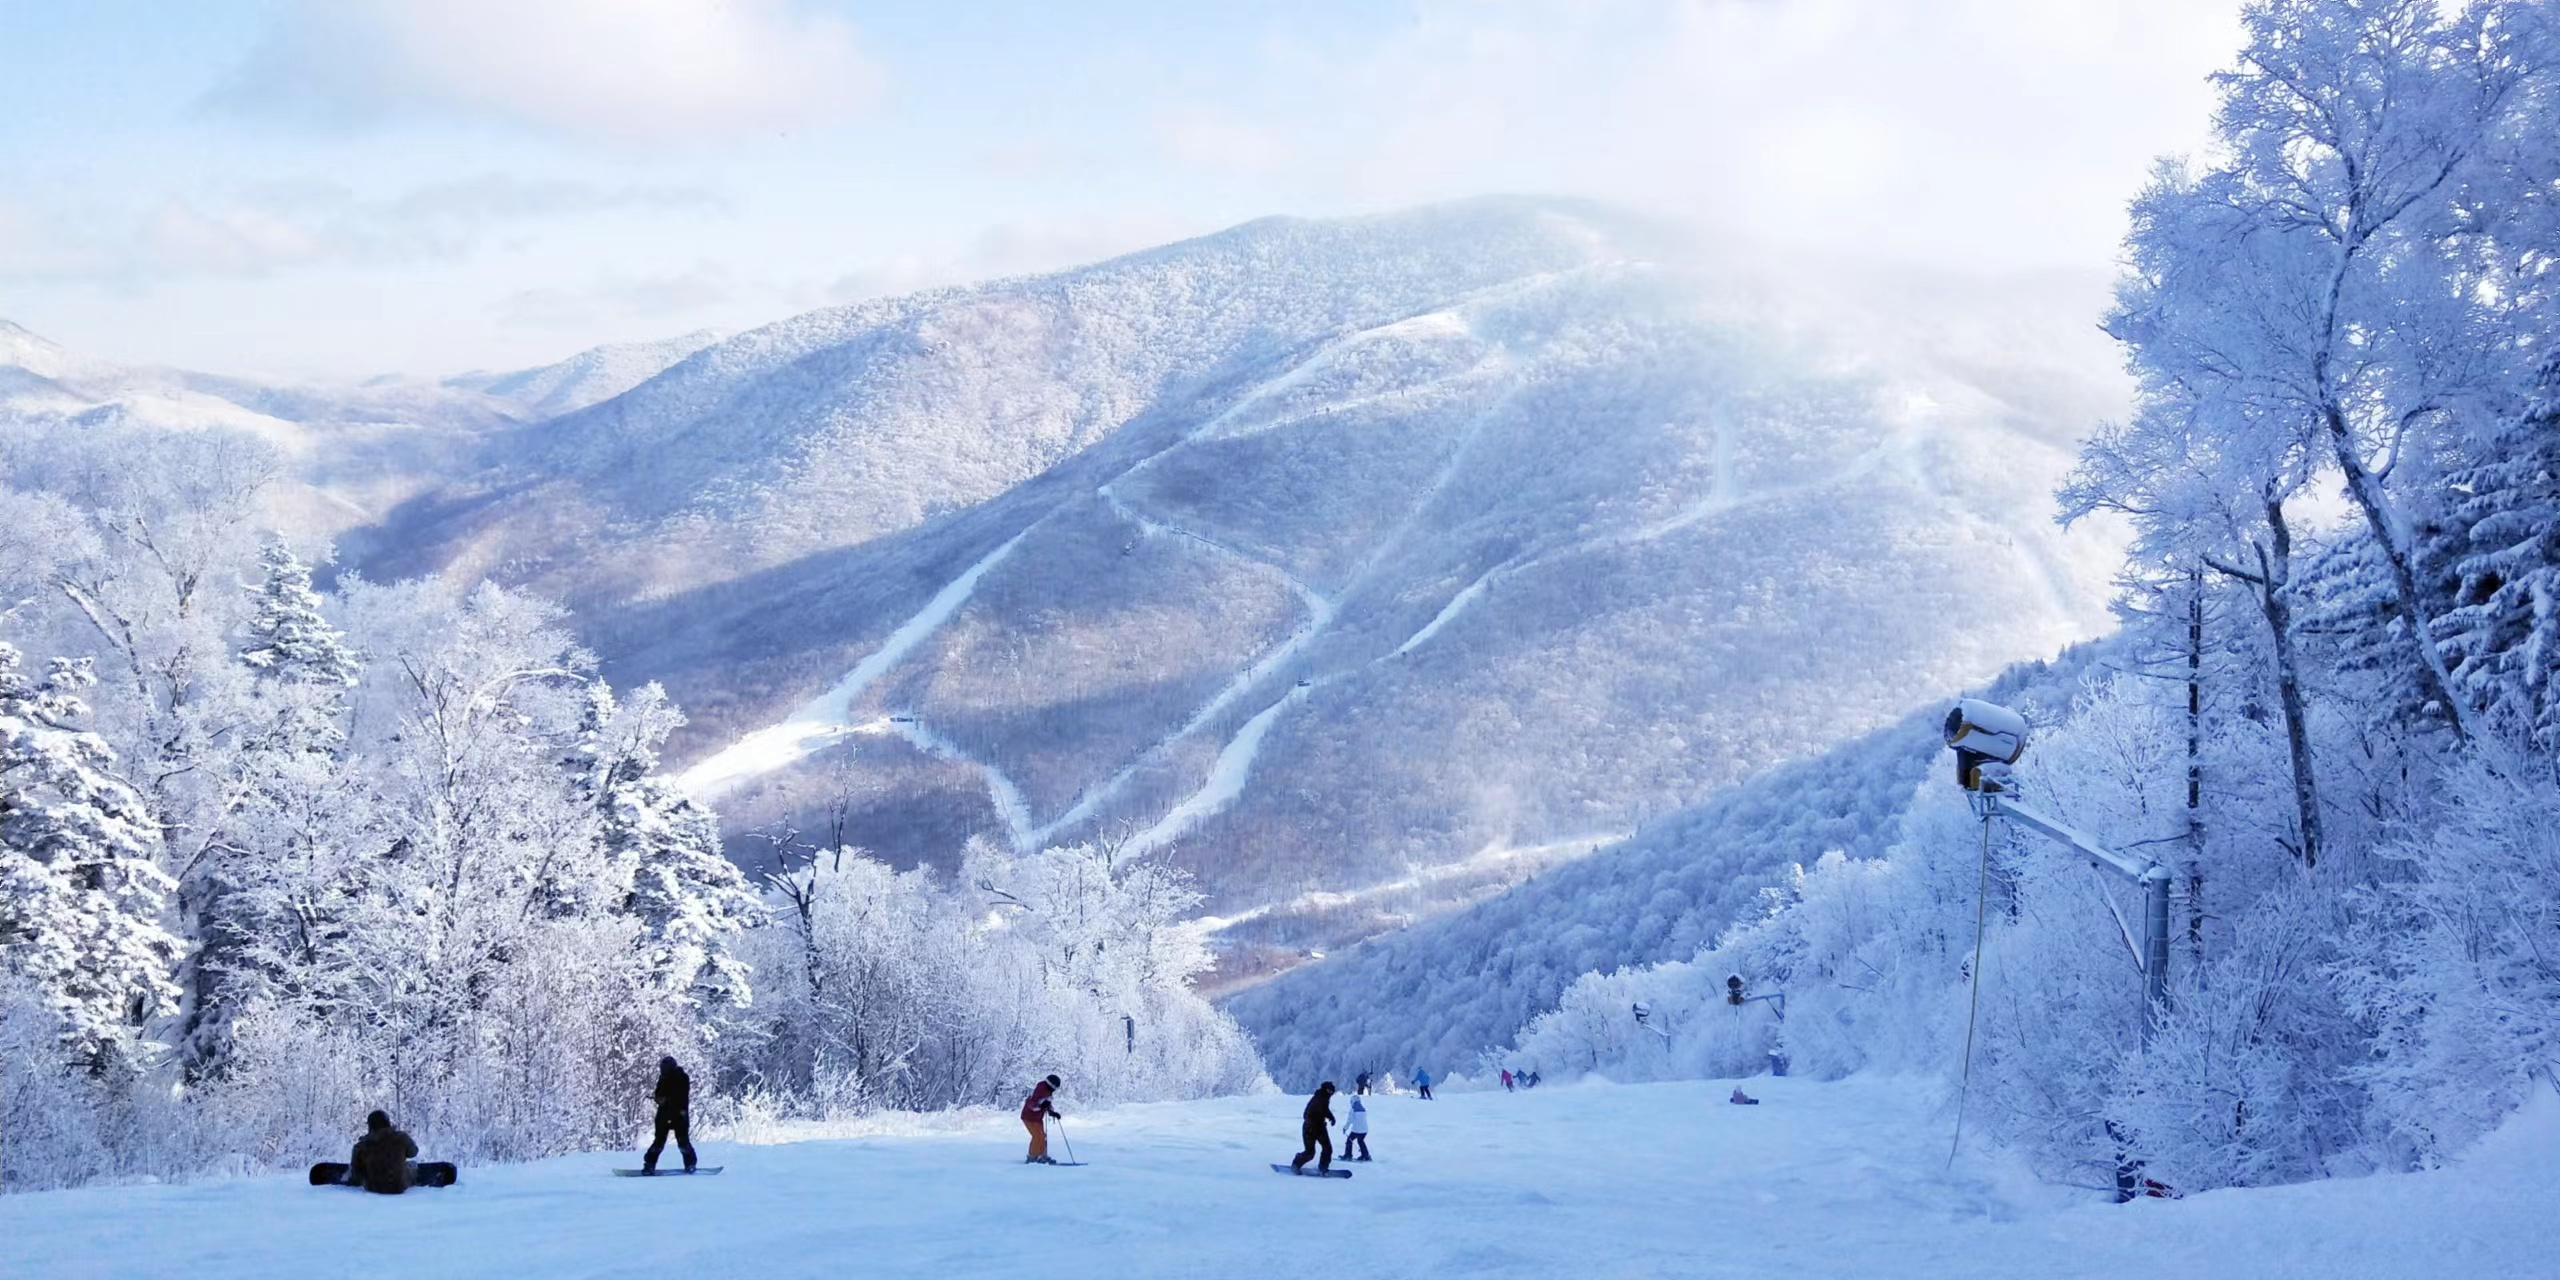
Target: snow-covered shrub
915 990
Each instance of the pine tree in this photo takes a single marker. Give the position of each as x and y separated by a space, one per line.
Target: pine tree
2500 548
289 640
80 897
242 890
685 893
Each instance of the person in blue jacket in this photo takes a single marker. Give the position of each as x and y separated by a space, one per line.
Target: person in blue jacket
1422 1081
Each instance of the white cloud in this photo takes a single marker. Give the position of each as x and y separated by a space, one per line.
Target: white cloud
617 301
278 226
627 70
1991 132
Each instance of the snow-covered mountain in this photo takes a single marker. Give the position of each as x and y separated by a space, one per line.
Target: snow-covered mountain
1367 565
589 377
1447 989
352 453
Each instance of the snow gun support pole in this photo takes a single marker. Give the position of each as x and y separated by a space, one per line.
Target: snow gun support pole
1987 739
2151 875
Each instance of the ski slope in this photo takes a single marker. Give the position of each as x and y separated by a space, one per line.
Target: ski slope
1586 1181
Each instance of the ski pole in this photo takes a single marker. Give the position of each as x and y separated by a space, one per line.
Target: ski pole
1062 1138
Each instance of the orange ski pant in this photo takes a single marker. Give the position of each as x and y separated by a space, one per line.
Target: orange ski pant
1039 1137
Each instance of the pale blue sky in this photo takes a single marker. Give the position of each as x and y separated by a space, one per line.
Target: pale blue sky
343 187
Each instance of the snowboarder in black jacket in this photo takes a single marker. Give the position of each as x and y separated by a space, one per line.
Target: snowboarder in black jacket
1311 1131
675 1115
380 1162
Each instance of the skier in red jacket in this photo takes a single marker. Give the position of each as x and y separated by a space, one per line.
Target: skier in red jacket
1035 1112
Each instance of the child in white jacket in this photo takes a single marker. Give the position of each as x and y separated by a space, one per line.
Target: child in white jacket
1355 1136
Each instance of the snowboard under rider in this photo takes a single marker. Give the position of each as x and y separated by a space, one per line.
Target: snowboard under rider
1035 1112
381 1160
675 1115
1311 1131
1355 1133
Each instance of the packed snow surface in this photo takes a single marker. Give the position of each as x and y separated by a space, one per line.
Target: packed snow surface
1584 1181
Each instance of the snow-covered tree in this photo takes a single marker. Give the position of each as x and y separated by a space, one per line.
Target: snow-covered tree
2499 547
254 900
81 898
2338 281
688 898
289 640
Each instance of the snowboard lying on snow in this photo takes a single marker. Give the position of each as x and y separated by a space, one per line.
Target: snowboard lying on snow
665 1173
1311 1172
424 1173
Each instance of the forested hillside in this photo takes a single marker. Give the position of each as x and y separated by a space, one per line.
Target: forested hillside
2329 715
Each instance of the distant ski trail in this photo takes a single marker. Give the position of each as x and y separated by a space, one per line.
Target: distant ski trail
1225 784
1457 605
1009 803
823 719
1723 497
1315 600
1320 612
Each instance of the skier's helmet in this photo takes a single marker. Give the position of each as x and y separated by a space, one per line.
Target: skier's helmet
1054 1082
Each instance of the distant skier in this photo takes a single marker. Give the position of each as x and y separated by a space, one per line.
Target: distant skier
1506 1079
1036 1111
674 1095
1361 1085
1311 1131
1422 1082
381 1159
1355 1132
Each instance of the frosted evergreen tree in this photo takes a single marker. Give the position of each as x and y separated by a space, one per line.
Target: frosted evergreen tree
80 897
243 884
2501 551
289 640
685 893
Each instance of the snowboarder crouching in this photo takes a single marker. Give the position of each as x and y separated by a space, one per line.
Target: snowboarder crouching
1311 1131
1355 1134
675 1115
1035 1112
381 1159
1741 1099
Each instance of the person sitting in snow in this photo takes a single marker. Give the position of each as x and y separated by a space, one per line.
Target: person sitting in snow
674 1096
1311 1131
381 1161
1036 1110
1355 1133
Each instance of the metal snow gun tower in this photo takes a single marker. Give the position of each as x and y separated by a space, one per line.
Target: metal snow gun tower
1988 738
